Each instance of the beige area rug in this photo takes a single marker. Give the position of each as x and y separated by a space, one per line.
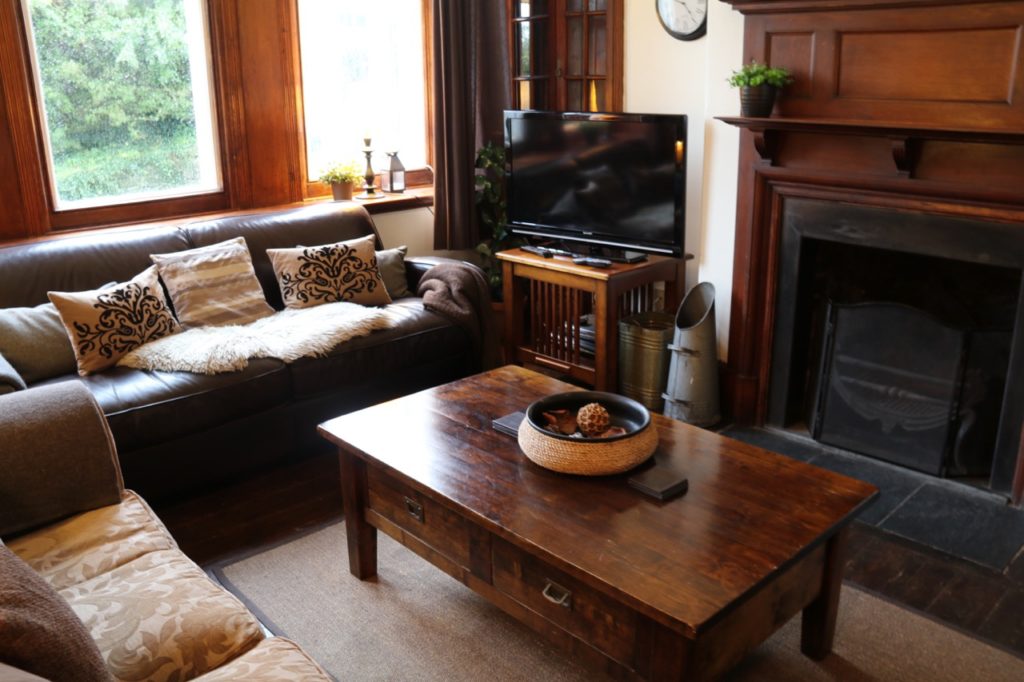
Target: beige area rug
416 622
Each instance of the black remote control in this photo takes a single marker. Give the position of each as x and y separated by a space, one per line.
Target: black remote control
593 262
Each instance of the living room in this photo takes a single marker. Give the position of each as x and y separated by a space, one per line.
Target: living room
884 137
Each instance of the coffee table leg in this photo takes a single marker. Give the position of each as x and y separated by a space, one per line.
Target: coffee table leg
362 537
818 627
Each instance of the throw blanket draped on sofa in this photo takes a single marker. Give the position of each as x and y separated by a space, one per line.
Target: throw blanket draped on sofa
459 292
287 335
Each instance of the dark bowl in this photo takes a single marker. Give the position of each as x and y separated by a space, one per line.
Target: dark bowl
622 411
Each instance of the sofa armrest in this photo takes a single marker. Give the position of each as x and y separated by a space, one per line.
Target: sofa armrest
57 457
417 266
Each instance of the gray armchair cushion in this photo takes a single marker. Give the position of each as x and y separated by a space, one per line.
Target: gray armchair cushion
35 342
10 380
57 457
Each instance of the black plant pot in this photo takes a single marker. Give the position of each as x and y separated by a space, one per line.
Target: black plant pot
756 101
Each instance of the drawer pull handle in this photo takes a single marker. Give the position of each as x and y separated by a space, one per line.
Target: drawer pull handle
414 508
556 594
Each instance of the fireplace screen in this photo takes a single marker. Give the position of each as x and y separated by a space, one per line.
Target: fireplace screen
889 385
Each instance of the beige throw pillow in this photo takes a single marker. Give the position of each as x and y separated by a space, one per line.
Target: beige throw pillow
213 285
346 271
106 324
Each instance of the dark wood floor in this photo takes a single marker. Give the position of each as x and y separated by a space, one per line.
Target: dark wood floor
272 507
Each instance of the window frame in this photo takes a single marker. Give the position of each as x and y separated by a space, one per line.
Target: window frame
256 90
414 177
554 82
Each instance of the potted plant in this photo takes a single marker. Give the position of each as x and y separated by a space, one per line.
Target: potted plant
493 213
759 84
342 177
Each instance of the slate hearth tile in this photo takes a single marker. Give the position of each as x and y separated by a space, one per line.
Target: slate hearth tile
894 483
961 522
770 440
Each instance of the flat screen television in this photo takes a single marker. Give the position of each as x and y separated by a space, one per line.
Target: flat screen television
607 181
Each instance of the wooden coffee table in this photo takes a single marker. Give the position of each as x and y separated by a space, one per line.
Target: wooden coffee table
636 587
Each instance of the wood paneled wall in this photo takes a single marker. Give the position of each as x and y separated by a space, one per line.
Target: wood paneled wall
912 104
256 77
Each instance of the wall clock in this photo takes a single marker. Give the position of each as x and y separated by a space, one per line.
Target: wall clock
684 19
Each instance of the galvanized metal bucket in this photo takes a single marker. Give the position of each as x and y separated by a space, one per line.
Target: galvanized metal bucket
691 394
644 357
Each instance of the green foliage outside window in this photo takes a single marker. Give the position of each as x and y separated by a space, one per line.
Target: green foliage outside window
118 95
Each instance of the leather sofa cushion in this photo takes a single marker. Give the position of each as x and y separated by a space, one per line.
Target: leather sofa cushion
418 336
309 226
80 263
144 408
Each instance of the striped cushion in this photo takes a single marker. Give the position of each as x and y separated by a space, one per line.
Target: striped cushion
213 285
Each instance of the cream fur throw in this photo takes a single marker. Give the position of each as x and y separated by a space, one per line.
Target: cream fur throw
287 335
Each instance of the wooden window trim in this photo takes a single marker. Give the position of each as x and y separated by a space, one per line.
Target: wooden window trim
414 177
243 133
558 52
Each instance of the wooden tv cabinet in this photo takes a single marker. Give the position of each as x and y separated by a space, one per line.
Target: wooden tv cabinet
545 298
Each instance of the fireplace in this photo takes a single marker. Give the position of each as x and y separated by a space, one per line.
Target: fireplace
884 198
893 334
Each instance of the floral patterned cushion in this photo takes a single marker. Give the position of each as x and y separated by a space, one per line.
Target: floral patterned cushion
160 618
153 613
89 544
272 660
106 324
346 271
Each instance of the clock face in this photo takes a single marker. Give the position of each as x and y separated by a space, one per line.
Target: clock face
684 19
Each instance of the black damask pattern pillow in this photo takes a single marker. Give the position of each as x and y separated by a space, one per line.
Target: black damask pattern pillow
106 324
313 275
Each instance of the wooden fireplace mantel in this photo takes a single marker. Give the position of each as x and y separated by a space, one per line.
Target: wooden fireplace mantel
914 105
905 137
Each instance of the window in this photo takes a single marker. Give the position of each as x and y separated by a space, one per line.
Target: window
124 88
568 54
362 76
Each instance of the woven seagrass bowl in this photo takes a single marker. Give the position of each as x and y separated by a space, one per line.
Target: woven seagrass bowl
589 456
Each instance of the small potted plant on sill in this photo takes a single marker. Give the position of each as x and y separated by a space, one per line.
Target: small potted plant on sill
759 84
342 177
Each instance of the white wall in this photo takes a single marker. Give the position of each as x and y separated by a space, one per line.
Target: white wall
665 75
414 228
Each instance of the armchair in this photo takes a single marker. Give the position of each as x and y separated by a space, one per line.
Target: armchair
151 611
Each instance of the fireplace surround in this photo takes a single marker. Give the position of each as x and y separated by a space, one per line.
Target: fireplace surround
903 135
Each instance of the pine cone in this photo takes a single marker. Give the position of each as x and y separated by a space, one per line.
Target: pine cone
593 420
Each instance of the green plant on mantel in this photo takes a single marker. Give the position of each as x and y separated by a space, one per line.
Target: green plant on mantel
340 173
755 74
492 210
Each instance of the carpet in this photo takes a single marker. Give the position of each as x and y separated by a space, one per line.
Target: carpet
415 622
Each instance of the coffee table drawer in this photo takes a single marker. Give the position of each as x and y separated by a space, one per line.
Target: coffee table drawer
592 616
443 530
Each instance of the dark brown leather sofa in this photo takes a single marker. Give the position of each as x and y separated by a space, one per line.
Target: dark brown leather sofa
177 432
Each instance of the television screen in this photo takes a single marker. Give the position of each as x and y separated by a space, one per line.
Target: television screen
605 179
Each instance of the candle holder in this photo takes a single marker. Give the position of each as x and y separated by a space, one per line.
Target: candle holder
369 192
